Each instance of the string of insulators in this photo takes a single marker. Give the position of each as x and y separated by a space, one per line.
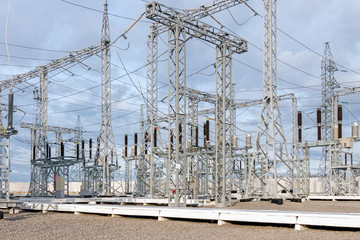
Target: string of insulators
34 152
135 143
318 114
155 137
126 144
90 148
77 150
207 130
340 115
83 149
196 136
300 126
62 149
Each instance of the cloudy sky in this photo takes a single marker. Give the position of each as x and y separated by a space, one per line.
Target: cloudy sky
41 30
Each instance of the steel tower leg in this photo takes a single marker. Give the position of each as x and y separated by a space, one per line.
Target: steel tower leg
176 177
270 144
328 85
108 153
223 124
155 166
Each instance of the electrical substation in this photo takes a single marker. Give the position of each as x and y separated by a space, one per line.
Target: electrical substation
191 154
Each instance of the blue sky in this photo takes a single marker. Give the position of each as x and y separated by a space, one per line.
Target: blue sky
41 30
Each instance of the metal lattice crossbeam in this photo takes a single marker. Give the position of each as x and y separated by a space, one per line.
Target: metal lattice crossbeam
73 57
195 28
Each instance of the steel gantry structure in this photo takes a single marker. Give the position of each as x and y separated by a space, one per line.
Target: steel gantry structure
180 26
106 161
270 144
328 85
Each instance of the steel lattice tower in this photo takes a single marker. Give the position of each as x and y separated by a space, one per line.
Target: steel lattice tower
270 144
328 85
176 182
107 153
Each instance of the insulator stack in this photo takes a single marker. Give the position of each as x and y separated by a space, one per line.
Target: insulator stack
146 136
300 126
77 150
62 149
336 132
155 137
191 136
355 130
172 138
11 110
34 152
90 148
47 150
248 140
135 144
196 136
340 115
207 130
98 148
204 134
234 141
319 123
126 144
82 149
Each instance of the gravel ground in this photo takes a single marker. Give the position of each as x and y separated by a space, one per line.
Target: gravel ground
34 225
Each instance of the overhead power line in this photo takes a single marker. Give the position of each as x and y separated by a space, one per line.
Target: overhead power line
102 12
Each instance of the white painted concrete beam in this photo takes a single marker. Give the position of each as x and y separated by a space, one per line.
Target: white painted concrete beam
222 216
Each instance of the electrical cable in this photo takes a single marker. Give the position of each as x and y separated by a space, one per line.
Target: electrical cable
100 11
35 48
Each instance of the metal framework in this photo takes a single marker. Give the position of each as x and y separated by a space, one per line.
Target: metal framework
270 144
4 165
328 85
107 155
180 25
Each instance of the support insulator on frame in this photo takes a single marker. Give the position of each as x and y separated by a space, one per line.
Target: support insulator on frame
126 144
248 140
90 148
300 126
196 136
318 114
97 149
10 110
171 138
355 130
49 151
34 152
207 130
336 132
205 134
82 149
135 144
77 150
155 137
340 115
62 149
